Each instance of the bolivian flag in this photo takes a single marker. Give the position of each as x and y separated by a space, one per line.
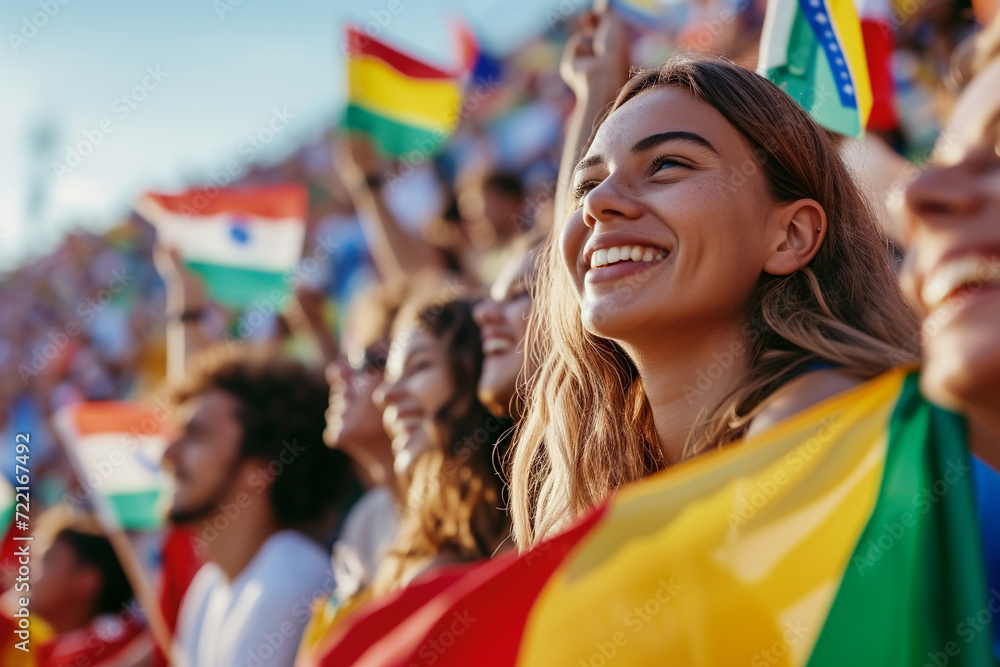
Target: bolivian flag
403 103
813 50
115 448
844 536
244 242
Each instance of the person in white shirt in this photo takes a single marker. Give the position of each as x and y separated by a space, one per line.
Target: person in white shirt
255 482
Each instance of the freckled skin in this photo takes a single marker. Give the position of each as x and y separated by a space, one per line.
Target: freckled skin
708 207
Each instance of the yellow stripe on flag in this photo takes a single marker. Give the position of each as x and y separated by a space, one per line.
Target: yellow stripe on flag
736 553
848 27
427 103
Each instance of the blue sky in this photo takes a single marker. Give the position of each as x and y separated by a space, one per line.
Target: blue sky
159 94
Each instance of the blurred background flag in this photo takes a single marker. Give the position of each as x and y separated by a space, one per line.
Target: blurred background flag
650 13
6 505
403 103
814 51
118 446
879 38
241 241
7 532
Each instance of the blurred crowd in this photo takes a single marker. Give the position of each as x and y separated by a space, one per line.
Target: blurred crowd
404 330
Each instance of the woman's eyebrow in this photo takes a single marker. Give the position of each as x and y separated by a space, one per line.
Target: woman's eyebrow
588 162
657 139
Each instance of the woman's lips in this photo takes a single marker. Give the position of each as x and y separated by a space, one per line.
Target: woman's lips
959 277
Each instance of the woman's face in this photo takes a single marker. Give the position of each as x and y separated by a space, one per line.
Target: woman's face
353 421
952 265
418 385
669 230
503 320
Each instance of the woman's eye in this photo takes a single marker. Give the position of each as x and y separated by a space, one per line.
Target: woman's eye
662 162
418 366
581 189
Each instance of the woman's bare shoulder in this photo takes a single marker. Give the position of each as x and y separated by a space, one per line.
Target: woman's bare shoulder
801 393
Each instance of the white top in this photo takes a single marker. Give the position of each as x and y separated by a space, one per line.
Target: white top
257 619
369 530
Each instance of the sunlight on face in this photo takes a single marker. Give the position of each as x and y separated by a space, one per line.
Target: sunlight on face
952 265
668 229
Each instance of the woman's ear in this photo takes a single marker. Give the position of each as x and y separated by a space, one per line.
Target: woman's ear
798 229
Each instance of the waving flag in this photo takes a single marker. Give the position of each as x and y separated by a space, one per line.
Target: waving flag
814 51
243 242
403 103
8 545
117 448
650 13
846 535
880 41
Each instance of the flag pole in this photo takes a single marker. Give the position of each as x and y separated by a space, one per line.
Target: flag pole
112 528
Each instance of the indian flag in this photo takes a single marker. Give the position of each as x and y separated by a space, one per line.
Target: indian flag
244 242
115 448
813 50
403 103
6 505
8 544
846 535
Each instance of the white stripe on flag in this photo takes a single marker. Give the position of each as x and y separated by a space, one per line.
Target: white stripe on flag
778 19
114 465
247 242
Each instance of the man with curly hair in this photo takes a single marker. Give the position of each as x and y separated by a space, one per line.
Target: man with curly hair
261 491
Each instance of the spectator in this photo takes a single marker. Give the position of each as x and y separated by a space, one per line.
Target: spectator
261 491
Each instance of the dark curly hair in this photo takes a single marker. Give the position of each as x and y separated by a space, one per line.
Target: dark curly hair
96 551
282 406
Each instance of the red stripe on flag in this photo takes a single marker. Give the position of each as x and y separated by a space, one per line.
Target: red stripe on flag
358 43
879 44
116 417
369 624
269 201
491 604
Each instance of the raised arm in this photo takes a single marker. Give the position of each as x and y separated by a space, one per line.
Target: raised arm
186 302
398 254
595 64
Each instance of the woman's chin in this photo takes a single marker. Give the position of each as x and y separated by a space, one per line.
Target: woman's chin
961 379
407 453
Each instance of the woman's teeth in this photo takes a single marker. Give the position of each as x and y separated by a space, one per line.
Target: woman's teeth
625 253
496 345
950 277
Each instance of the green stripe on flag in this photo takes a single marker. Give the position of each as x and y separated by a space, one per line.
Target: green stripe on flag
917 572
394 138
6 506
808 78
138 511
239 287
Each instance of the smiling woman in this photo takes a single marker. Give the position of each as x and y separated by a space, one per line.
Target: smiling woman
719 272
444 441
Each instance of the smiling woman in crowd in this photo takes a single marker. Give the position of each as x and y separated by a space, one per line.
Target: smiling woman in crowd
443 441
718 273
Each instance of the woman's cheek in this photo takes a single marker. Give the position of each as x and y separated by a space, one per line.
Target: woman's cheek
571 239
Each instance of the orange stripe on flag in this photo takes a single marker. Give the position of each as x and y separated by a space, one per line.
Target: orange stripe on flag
116 417
272 201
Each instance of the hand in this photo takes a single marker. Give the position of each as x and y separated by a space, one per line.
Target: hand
356 159
595 61
184 289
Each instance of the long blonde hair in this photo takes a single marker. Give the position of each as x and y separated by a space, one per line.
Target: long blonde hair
588 428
